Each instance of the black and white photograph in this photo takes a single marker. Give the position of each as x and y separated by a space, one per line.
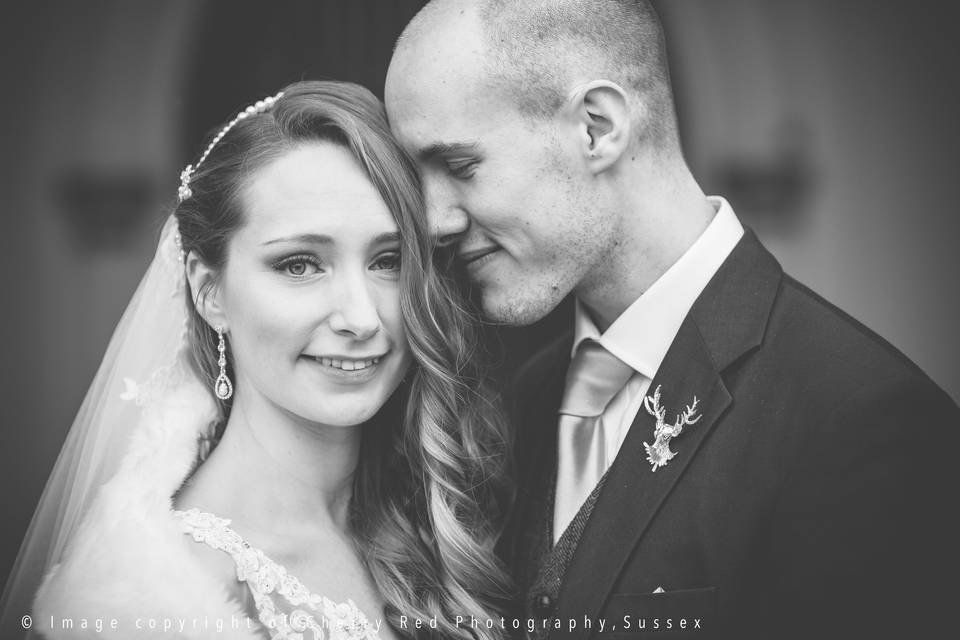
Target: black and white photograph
480 319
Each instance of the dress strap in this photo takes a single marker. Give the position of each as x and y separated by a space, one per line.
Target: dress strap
263 576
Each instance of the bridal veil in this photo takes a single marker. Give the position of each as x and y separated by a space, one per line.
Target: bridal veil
146 358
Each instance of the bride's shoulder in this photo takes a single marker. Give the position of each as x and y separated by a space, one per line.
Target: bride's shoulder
203 534
129 558
138 568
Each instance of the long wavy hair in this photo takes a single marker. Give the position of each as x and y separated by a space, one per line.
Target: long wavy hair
430 489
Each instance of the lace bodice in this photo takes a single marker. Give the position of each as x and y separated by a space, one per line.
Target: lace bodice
306 616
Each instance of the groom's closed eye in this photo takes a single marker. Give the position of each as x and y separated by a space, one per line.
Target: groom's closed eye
462 169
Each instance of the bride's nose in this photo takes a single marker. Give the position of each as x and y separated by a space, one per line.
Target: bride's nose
354 311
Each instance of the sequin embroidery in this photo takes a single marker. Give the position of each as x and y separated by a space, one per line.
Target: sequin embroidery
313 617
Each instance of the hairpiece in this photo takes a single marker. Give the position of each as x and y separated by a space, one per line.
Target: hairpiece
259 106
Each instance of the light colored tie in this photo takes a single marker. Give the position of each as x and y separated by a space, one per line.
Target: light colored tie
594 378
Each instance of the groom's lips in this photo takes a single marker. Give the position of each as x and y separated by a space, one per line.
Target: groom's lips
471 257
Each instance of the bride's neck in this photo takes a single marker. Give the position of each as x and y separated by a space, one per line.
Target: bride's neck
275 470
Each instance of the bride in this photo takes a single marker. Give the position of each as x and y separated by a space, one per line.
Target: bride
288 436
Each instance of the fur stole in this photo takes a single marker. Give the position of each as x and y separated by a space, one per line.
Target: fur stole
129 560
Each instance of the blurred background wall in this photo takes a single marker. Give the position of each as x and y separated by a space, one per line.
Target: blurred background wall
831 127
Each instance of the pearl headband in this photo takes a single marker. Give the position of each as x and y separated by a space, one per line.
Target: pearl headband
184 192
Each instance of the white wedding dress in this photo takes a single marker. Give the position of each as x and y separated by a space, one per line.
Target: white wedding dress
312 616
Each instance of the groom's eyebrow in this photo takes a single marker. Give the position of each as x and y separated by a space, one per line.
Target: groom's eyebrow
446 148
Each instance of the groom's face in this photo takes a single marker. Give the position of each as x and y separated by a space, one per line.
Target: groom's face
503 188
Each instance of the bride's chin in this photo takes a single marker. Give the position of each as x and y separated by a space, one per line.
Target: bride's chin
347 416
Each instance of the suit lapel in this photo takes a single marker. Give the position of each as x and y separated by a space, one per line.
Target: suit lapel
535 421
727 321
633 492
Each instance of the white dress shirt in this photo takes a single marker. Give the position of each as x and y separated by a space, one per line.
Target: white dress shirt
643 333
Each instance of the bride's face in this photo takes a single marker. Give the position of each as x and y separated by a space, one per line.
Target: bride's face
310 292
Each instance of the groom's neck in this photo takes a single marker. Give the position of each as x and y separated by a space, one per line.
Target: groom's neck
664 212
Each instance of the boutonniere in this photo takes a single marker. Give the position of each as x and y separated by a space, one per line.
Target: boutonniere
659 453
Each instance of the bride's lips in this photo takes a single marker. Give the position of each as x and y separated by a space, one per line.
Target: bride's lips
352 368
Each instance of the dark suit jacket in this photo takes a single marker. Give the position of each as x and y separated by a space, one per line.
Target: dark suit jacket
816 497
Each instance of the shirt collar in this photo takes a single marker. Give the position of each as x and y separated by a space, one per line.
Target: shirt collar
642 334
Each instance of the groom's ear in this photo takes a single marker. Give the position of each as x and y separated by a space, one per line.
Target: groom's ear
204 291
599 114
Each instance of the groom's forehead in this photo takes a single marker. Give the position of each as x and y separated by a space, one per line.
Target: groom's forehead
429 132
455 128
437 87
428 111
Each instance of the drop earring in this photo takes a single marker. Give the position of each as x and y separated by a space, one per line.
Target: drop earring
222 387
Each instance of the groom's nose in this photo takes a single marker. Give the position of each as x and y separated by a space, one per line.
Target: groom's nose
448 221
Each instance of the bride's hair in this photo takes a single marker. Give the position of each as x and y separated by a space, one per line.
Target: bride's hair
430 488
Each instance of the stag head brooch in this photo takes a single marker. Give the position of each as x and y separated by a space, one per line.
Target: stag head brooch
659 453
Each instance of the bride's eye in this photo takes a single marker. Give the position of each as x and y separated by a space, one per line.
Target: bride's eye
299 266
389 261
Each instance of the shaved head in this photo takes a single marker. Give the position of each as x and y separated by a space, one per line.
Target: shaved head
532 121
534 52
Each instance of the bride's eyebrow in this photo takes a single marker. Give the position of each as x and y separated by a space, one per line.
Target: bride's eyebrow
313 238
391 237
316 238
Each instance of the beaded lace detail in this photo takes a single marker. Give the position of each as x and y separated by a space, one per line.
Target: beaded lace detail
312 617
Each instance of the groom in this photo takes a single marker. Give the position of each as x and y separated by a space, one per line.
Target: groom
713 450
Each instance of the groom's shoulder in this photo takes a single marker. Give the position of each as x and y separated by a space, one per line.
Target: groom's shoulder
800 331
822 362
810 329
